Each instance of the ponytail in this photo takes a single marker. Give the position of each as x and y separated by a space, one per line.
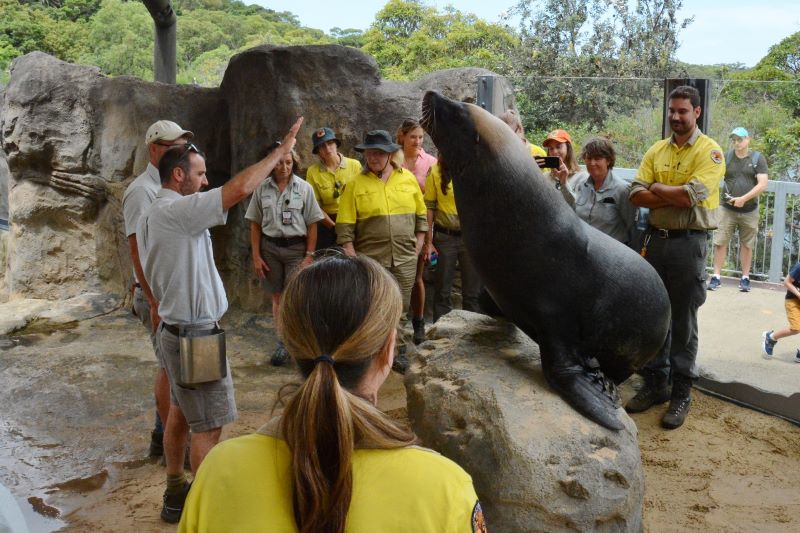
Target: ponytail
345 307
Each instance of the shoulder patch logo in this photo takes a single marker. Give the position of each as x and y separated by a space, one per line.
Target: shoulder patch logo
478 522
716 157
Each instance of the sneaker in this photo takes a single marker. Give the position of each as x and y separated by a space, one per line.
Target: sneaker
173 505
280 355
647 397
768 344
679 403
156 444
744 285
714 283
797 357
419 330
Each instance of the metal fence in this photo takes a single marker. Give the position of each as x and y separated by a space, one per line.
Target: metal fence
777 245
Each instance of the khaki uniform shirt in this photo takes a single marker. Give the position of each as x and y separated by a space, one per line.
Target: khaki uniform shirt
268 204
698 166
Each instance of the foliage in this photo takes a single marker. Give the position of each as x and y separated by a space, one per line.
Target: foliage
409 39
562 40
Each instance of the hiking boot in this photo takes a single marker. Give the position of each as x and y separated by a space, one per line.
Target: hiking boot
419 329
679 403
714 283
280 355
400 363
173 505
767 344
156 444
744 285
649 395
797 357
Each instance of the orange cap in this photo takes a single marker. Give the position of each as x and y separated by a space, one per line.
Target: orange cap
557 136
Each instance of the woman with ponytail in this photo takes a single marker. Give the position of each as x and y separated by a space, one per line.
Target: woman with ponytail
332 462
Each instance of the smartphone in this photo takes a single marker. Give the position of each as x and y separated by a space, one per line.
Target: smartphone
549 162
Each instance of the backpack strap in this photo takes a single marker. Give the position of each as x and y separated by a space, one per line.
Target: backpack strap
754 160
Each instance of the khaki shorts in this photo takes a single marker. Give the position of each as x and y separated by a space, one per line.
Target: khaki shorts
728 222
282 262
141 308
793 313
206 406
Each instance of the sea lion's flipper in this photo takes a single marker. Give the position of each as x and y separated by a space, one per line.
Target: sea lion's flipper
587 390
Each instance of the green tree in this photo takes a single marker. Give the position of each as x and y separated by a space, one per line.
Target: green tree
409 39
121 39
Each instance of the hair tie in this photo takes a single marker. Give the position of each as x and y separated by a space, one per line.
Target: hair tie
325 358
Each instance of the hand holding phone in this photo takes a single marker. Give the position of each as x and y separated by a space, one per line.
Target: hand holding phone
548 162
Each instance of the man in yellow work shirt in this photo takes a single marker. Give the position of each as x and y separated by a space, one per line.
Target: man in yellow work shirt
678 181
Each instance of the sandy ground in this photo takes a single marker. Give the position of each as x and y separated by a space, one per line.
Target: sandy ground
728 469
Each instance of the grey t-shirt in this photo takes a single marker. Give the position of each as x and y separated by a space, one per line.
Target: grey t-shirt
740 178
177 257
268 204
138 197
607 209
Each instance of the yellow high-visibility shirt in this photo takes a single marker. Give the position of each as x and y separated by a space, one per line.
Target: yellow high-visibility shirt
444 205
382 219
329 186
244 485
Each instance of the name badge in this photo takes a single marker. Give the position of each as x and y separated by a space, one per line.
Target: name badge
286 218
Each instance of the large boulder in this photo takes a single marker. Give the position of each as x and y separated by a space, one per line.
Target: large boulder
477 394
74 140
267 87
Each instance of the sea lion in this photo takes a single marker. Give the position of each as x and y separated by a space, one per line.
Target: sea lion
594 306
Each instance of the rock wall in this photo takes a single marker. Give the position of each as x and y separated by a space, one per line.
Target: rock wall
476 393
74 139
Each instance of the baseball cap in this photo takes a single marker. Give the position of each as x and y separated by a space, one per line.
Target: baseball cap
740 132
165 130
557 136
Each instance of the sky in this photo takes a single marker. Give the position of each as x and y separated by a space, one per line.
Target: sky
723 31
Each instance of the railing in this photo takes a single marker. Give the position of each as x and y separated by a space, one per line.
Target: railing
777 245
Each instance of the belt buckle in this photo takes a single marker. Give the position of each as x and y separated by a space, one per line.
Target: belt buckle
663 233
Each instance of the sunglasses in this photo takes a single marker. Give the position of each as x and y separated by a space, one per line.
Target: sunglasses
191 147
337 189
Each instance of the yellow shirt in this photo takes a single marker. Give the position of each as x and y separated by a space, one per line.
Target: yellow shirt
382 219
537 151
324 182
444 205
244 486
698 166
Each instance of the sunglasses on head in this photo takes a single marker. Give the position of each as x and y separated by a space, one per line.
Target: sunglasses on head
190 147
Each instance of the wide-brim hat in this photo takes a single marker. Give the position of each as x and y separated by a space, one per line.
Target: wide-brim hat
557 136
321 136
377 140
165 130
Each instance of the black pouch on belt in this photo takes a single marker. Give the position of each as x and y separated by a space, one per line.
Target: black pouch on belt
203 357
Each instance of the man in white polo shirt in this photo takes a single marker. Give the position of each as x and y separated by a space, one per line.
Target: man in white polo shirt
160 137
178 262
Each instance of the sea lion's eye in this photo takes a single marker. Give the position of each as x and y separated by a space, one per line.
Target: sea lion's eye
477 137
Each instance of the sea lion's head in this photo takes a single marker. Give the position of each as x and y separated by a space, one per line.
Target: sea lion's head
470 138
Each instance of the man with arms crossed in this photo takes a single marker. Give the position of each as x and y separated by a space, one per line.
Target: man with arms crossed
745 179
178 262
679 181
160 137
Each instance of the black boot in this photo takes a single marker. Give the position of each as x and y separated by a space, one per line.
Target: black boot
400 364
679 403
655 391
419 329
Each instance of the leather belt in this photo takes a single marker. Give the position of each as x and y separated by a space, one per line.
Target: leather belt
676 233
285 242
451 232
172 329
